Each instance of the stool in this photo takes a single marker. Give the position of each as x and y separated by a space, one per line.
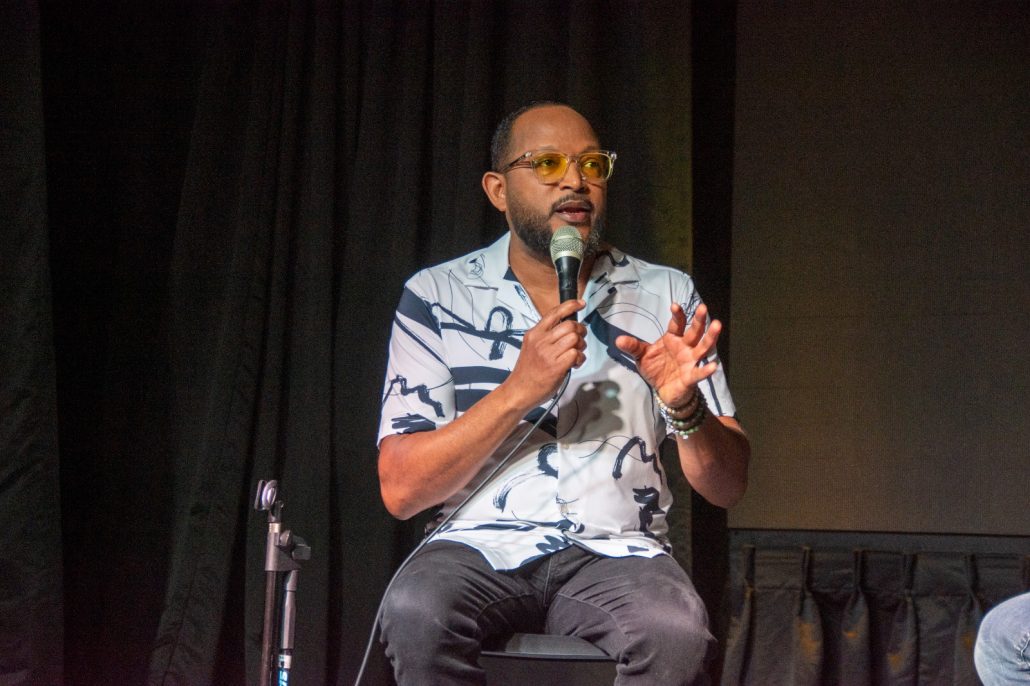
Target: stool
542 659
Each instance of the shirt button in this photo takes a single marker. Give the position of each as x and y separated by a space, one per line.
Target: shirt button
564 446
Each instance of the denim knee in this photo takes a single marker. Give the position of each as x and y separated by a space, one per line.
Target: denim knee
411 616
1002 650
673 648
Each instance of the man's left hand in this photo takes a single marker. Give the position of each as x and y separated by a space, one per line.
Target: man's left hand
670 364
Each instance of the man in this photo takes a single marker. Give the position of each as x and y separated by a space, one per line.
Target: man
569 538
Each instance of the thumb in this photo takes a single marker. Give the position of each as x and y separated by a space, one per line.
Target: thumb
631 346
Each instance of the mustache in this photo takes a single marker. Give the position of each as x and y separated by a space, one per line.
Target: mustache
571 198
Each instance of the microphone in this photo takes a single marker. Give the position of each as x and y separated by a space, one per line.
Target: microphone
567 254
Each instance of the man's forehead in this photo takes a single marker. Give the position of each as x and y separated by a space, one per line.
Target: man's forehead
552 126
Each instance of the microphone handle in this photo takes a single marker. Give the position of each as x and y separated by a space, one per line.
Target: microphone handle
568 280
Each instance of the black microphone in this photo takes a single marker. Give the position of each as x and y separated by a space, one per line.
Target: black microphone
567 254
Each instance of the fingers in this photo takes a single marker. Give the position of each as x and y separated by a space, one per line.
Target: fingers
708 339
549 350
565 309
573 356
569 336
702 334
556 340
678 321
696 329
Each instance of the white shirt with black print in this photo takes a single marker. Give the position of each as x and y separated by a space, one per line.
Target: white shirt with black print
590 474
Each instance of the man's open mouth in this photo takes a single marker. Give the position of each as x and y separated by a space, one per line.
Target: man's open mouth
575 211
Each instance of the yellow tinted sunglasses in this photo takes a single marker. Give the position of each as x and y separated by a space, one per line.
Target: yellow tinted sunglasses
550 166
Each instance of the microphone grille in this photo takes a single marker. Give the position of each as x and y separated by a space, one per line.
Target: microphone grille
565 242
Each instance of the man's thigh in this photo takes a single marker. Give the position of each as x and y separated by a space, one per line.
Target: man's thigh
453 585
630 605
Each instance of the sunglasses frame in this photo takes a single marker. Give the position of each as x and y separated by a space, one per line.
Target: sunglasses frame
526 159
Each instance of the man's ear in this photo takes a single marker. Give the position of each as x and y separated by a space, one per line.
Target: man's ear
495 189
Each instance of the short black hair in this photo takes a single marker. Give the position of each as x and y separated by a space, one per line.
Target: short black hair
501 140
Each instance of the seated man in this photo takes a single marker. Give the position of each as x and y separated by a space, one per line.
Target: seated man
570 537
1002 651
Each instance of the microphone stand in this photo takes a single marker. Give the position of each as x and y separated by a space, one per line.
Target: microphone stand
283 550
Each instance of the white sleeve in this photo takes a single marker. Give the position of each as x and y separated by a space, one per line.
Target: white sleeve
418 392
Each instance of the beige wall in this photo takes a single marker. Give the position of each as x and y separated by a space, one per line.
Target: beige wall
880 292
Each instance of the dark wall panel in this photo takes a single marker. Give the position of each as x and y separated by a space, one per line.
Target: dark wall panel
880 265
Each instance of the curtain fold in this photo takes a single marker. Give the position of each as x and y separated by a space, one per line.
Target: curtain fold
854 630
966 625
861 616
903 632
31 594
808 630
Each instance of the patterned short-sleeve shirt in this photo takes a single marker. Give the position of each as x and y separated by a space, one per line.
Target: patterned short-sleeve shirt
590 475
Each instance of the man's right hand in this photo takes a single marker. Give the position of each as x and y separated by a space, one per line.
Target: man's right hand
549 350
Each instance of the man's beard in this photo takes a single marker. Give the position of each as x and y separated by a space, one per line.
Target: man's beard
534 231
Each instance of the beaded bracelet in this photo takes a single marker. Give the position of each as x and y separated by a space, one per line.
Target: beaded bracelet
684 410
688 425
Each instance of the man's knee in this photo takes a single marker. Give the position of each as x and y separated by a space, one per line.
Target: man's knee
671 648
684 624
413 614
1002 650
679 639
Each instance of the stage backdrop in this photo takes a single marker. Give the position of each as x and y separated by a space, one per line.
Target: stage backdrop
881 265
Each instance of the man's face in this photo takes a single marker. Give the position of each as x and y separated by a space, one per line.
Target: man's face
535 210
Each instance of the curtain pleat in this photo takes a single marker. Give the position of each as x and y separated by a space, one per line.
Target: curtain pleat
969 617
779 585
808 630
940 590
903 635
854 664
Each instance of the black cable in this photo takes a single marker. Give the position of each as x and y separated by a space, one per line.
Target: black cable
446 520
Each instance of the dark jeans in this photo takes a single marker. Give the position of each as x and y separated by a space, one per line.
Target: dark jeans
644 612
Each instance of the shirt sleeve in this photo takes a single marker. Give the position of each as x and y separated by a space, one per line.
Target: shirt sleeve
418 392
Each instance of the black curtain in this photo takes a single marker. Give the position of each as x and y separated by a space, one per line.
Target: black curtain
235 197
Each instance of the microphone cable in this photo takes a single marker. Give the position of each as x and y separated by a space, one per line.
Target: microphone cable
446 520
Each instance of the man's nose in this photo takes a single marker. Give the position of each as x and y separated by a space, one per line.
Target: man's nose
573 177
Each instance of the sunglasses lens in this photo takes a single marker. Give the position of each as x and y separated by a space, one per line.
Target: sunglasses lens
594 165
550 166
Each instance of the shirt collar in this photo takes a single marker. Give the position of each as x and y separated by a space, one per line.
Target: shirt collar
612 268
